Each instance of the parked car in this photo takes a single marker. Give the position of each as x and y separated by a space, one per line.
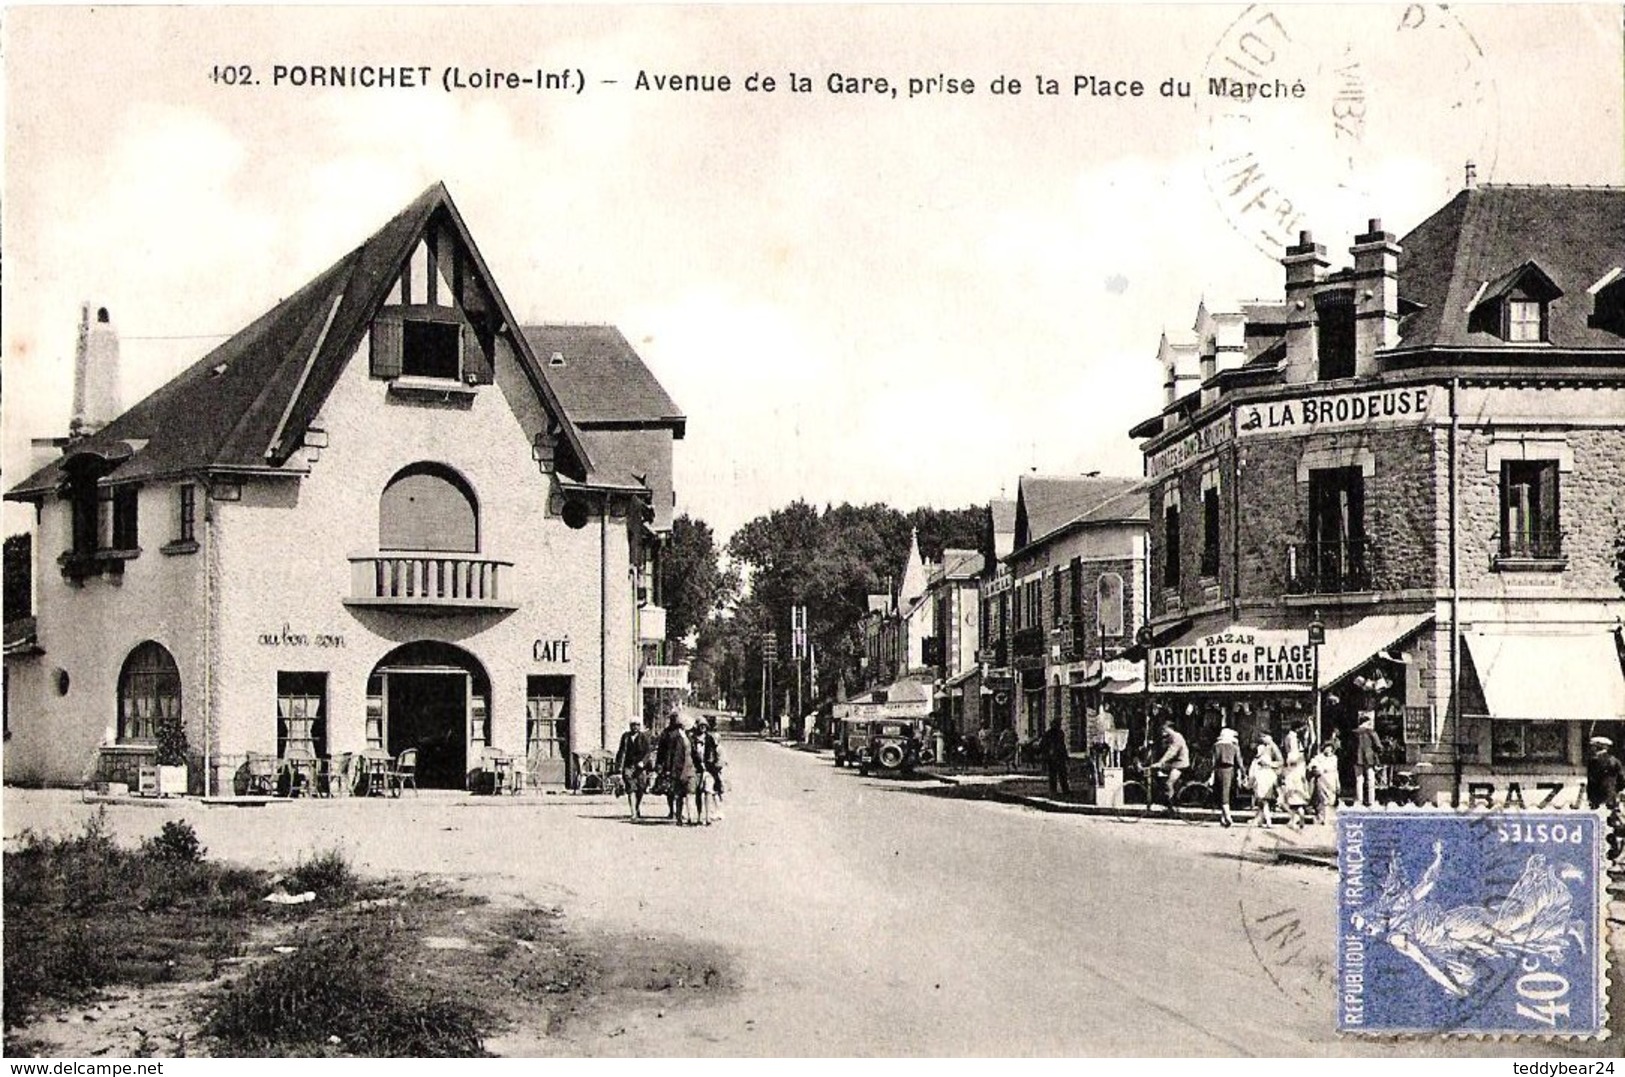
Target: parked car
851 741
893 745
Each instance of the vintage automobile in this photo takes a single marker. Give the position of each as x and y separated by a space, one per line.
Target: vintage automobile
851 740
892 745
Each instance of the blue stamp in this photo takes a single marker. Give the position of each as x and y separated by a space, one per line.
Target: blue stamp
1475 923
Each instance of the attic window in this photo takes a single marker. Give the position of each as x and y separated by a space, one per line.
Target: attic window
1515 306
557 359
431 349
1608 302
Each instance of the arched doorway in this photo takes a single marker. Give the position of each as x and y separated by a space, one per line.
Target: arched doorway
149 693
436 698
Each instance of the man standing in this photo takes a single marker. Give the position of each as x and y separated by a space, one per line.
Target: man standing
672 745
1605 774
1174 761
630 759
1367 757
1053 748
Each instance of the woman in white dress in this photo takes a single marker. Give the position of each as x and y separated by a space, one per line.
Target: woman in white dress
1294 792
1264 777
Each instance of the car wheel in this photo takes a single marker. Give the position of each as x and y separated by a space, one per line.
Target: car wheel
891 756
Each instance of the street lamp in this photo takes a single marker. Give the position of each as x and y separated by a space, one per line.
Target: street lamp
1317 636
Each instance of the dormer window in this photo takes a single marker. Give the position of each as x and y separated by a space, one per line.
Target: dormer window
1526 321
1515 306
1608 302
431 349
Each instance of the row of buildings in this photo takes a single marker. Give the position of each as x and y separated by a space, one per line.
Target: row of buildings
1394 494
386 515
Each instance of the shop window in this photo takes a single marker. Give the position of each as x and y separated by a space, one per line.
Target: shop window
1529 510
301 715
1334 314
428 507
149 691
1528 742
1210 531
1170 546
1109 604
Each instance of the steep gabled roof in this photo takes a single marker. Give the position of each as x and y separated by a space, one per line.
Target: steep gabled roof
245 405
1485 236
600 377
1047 503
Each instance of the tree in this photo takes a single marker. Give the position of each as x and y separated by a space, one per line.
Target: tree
18 567
694 585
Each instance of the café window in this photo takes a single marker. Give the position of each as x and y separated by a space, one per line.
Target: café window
428 507
1529 510
1528 742
149 691
301 715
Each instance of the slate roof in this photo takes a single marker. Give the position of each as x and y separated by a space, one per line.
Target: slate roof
961 564
1574 234
1047 503
600 377
1003 512
246 404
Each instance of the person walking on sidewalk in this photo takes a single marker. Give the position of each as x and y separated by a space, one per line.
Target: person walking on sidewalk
1323 773
1295 774
676 761
1053 748
1264 776
1226 761
631 759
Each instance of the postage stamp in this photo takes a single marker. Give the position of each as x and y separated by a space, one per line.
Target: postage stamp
1471 923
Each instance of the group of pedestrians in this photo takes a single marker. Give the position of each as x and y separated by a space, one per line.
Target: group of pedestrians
683 763
1296 777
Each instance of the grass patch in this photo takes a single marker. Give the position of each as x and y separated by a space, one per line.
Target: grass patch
345 991
81 913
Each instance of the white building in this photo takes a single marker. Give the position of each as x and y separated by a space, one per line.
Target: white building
382 516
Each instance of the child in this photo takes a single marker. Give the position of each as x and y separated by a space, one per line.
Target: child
1323 770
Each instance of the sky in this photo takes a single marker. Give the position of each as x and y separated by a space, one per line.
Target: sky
852 296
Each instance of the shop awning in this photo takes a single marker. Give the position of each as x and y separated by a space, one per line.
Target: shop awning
1564 678
959 679
1131 687
1346 649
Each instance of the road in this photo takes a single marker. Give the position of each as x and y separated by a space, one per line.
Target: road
871 917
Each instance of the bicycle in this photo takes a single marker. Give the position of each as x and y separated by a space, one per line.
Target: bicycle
1134 800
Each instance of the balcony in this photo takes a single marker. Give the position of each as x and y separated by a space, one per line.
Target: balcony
429 582
1337 567
1531 551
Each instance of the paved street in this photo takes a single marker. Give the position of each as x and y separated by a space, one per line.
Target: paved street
867 916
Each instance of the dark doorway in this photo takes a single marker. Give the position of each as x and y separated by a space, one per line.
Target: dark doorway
429 711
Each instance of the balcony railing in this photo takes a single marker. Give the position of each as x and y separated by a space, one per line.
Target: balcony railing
1329 568
429 581
1546 545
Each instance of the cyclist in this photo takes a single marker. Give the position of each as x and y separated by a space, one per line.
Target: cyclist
1174 761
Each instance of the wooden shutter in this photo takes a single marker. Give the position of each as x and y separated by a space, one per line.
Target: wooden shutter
476 360
386 348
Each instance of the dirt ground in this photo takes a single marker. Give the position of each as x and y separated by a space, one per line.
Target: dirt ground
845 916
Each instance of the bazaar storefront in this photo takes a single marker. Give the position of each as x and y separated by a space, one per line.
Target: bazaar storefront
1273 674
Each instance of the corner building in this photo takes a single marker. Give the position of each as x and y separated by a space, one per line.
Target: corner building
366 521
1419 461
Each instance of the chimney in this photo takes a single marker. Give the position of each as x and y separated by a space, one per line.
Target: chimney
1179 369
1376 295
95 373
1305 264
1470 178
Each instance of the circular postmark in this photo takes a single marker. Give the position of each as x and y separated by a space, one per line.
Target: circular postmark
1311 114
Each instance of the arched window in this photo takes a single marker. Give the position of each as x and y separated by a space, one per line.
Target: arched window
428 507
149 689
1109 604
